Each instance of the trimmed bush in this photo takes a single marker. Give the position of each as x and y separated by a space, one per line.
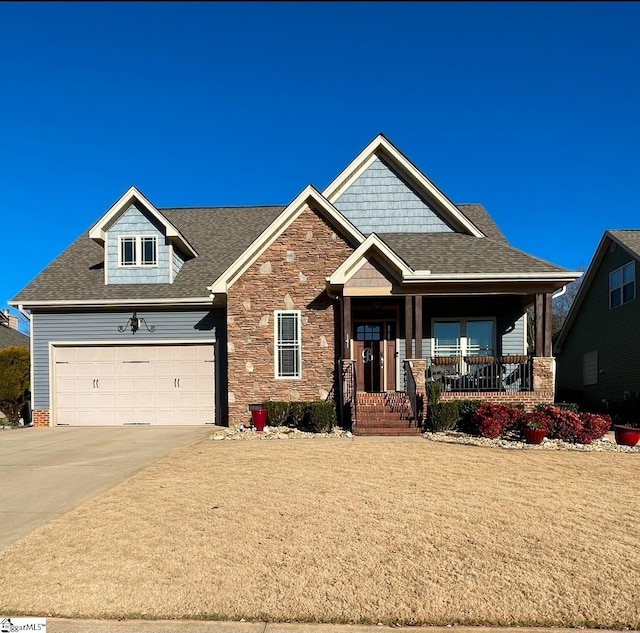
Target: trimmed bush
277 412
466 411
433 393
322 416
444 416
299 413
493 420
580 428
14 381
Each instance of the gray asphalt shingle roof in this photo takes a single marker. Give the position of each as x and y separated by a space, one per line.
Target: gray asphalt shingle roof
12 338
630 238
221 234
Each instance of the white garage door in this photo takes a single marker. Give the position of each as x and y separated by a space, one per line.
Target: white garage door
128 384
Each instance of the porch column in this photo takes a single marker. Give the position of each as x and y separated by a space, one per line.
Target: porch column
418 306
408 326
548 324
539 311
544 320
346 327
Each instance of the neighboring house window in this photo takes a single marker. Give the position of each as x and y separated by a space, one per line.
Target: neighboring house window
463 338
288 348
622 285
590 368
138 251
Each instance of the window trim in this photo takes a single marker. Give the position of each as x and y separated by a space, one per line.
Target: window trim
138 245
463 327
620 269
277 344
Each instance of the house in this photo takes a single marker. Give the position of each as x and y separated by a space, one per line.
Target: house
360 293
10 336
598 354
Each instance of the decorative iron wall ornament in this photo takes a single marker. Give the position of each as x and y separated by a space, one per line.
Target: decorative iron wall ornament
134 323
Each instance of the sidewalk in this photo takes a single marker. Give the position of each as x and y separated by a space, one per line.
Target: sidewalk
58 625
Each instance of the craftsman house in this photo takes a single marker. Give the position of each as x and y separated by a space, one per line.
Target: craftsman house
598 354
360 293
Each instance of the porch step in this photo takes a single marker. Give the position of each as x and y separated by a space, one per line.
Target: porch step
384 414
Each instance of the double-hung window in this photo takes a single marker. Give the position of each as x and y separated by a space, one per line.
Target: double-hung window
463 337
622 285
288 347
138 250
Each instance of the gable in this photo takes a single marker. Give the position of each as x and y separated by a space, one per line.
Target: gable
134 223
371 275
381 201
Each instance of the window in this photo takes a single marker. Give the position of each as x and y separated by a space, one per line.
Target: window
463 338
288 348
590 368
622 285
138 251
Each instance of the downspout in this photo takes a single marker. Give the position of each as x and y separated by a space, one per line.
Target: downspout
559 293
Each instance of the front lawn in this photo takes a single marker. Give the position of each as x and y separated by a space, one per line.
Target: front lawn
347 530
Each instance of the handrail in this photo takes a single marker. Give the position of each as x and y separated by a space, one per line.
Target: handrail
347 386
410 389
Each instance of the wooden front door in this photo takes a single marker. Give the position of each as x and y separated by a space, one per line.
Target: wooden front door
374 347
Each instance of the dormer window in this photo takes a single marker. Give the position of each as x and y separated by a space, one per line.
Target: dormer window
138 250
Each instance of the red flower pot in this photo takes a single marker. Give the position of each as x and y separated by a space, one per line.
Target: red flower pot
534 436
626 435
259 417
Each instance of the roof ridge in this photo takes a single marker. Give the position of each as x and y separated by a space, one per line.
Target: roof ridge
254 206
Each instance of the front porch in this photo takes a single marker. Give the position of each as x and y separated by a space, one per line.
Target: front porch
393 349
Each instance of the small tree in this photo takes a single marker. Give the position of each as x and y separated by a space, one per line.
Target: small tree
14 381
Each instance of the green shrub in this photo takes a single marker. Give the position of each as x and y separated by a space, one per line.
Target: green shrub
433 393
299 413
322 416
466 411
14 381
444 416
277 412
567 406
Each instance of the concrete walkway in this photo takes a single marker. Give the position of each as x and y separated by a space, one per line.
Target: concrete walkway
55 625
47 472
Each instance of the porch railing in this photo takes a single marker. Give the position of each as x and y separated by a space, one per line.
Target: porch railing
482 373
348 397
410 389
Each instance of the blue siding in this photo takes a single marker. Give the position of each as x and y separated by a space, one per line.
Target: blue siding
103 326
380 201
134 222
177 262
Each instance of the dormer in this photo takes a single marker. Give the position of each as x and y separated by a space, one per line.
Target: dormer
140 245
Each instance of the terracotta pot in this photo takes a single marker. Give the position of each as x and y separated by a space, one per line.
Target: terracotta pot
626 435
534 436
259 417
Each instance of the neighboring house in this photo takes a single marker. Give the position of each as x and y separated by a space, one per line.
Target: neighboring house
9 334
598 354
191 316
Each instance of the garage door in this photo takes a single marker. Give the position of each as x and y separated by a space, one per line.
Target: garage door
127 384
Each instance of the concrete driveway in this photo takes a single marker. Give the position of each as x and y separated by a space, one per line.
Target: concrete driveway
47 472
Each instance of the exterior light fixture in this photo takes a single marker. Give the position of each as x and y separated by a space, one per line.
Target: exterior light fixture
134 323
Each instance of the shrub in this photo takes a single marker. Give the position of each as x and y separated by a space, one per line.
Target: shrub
322 416
433 393
594 426
535 420
299 413
277 412
466 411
14 381
567 406
493 420
444 416
565 425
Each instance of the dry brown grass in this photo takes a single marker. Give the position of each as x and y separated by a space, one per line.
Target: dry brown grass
362 530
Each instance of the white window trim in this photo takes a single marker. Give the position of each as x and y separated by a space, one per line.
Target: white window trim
611 289
276 344
463 338
138 246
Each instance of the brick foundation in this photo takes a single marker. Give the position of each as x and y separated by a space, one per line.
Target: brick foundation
289 275
40 417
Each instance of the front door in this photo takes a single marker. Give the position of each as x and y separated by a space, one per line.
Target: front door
374 346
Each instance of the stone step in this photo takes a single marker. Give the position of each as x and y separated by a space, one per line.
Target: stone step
383 430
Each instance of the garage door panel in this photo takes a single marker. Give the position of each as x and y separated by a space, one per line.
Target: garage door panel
116 385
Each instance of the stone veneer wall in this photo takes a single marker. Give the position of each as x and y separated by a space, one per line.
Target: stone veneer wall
543 389
289 275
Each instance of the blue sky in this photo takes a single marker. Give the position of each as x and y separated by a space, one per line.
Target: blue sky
532 109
